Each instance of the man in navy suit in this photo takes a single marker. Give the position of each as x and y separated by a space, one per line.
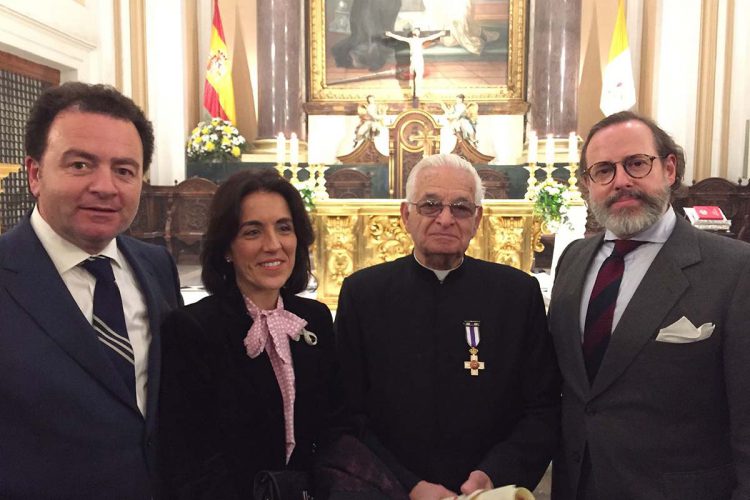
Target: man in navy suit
71 426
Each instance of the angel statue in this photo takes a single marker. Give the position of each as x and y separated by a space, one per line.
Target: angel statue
462 118
370 120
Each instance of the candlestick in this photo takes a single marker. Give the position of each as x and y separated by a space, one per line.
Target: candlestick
549 152
294 157
573 148
280 147
320 180
531 183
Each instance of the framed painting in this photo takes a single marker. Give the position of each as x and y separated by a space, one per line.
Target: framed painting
434 49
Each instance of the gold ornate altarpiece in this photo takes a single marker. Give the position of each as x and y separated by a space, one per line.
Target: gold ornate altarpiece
354 234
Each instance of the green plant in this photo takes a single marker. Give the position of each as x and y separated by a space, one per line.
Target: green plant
307 192
215 140
551 201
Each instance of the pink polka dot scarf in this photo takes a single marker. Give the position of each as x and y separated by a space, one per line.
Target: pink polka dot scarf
279 326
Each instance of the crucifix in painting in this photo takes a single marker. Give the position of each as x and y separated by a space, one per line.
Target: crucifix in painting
416 54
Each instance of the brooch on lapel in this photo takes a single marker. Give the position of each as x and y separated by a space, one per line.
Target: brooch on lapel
310 337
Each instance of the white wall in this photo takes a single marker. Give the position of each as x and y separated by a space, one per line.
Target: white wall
165 53
62 34
676 78
740 97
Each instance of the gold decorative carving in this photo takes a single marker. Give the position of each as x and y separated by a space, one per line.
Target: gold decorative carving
505 240
536 235
387 238
339 260
355 234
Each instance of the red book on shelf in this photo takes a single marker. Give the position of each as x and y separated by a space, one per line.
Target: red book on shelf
709 213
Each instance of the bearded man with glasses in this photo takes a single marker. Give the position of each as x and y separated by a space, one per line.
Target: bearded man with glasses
651 324
447 362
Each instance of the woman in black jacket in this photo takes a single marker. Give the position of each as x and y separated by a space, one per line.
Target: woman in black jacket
248 372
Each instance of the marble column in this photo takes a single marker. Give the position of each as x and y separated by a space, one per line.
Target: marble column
281 68
553 69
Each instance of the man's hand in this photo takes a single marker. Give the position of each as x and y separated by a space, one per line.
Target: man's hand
478 480
430 491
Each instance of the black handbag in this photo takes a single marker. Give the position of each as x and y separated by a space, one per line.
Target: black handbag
282 485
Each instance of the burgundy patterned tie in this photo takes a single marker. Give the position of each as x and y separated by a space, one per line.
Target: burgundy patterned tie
601 308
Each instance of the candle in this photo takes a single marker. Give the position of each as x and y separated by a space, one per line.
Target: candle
573 148
280 146
549 153
533 145
294 149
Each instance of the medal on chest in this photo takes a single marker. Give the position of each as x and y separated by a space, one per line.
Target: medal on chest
472 339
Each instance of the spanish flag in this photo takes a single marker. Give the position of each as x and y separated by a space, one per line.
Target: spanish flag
618 87
218 92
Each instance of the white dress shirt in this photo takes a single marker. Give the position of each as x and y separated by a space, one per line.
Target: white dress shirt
637 263
66 257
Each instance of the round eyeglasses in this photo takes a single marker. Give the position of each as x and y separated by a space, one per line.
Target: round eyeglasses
636 166
431 208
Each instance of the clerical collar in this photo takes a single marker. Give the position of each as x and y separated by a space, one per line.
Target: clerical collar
440 273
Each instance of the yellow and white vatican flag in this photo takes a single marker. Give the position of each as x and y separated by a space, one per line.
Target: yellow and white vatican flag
218 91
618 87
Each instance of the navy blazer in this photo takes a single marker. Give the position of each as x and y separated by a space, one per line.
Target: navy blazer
68 426
221 413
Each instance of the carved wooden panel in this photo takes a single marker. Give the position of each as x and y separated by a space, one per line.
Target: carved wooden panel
495 183
150 220
348 183
364 154
468 152
187 220
413 135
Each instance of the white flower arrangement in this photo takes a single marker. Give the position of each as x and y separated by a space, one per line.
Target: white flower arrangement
551 202
307 192
215 140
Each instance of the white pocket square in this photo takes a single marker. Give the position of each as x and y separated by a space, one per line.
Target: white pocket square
683 332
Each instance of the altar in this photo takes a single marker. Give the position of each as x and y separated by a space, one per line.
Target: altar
354 234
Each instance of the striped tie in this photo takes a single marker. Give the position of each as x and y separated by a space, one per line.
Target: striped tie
109 319
601 308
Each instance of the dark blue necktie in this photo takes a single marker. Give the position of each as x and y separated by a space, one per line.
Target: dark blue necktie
601 309
109 319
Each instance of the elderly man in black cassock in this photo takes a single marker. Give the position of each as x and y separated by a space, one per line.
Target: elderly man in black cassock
448 365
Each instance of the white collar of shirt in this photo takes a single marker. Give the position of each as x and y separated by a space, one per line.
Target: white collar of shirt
64 254
81 284
658 232
440 273
637 264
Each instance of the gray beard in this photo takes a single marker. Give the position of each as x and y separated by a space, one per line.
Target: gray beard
631 221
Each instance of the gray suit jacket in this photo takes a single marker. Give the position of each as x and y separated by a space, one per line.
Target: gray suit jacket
661 420
68 426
